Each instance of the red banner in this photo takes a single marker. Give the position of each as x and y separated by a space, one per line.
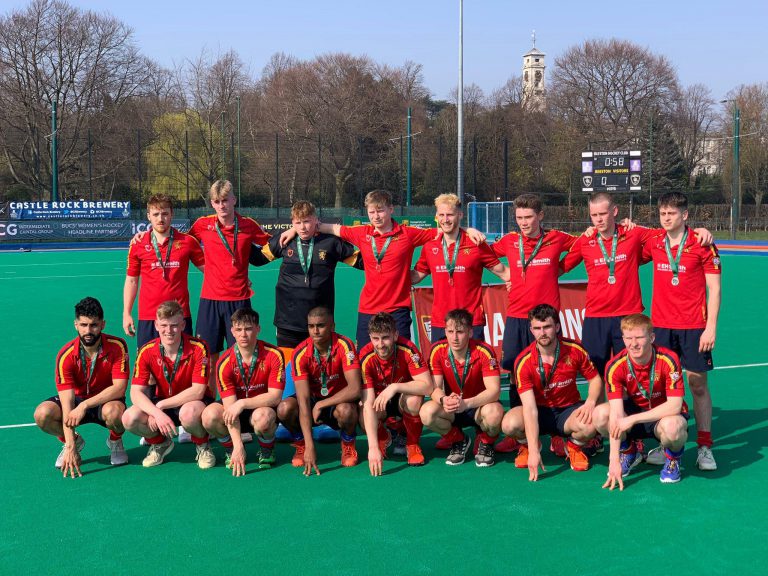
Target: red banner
572 300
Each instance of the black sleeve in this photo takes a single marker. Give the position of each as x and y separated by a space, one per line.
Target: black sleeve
350 255
261 255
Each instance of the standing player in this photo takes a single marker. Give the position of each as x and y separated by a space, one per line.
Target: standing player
645 400
326 373
178 364
395 380
545 373
686 303
306 277
387 250
91 378
251 378
456 264
160 260
466 393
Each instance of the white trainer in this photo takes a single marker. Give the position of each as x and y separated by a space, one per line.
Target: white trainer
117 453
705 460
79 444
184 436
157 453
205 456
656 457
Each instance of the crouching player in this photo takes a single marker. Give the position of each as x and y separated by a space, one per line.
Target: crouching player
645 400
91 378
466 392
178 364
395 380
326 373
251 378
545 373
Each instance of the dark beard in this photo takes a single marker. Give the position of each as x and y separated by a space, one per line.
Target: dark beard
90 340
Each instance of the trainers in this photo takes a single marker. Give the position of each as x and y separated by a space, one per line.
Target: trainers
184 436
485 456
267 458
415 455
656 457
117 454
157 453
705 460
594 446
458 453
507 445
670 473
79 444
576 456
629 460
348 453
399 447
557 446
205 456
228 458
385 440
521 460
298 458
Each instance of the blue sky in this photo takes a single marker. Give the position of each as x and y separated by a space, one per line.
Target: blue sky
719 44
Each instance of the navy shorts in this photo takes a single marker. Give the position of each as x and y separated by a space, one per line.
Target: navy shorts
644 429
173 413
402 318
326 414
552 420
601 338
685 343
465 419
145 331
438 333
517 337
214 321
92 415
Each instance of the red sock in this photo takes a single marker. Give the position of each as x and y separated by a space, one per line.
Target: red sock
454 435
200 439
381 432
159 439
485 439
265 442
704 439
413 428
226 443
114 436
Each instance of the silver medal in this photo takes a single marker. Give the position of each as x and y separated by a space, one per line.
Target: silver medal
611 279
675 281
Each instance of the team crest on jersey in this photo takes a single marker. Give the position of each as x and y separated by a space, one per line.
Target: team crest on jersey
416 359
177 245
289 252
675 376
147 247
159 361
716 261
435 250
204 361
467 251
568 362
492 363
350 356
322 254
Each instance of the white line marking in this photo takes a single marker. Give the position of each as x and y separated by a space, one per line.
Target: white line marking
60 264
16 426
70 276
741 366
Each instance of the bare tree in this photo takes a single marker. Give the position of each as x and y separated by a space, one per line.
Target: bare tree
692 121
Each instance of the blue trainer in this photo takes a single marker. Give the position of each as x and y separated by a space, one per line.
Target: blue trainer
670 473
628 461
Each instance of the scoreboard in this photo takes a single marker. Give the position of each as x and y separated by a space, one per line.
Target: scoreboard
616 171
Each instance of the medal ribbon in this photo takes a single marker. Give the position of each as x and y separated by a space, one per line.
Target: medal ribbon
247 376
379 256
450 264
323 366
233 250
523 262
542 375
156 246
306 262
88 372
609 260
460 381
651 377
674 263
169 377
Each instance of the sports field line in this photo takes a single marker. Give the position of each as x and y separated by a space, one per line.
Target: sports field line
100 263
735 366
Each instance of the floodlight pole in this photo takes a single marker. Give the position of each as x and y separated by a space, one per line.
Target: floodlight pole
54 155
736 195
408 179
460 110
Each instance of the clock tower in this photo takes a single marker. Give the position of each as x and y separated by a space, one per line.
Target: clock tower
534 93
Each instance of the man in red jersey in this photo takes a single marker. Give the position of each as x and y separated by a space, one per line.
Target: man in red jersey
466 393
686 303
178 364
395 380
456 264
161 262
251 378
91 378
387 250
545 373
326 373
645 400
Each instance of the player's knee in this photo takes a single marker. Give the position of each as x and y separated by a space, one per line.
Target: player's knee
189 414
44 414
132 418
697 383
428 412
113 413
212 416
412 404
287 410
492 414
674 428
263 420
512 423
346 413
600 418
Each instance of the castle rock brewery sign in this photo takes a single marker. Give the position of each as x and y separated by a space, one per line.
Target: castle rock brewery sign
616 171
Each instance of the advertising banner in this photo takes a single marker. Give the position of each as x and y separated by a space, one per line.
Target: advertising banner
77 229
572 301
79 209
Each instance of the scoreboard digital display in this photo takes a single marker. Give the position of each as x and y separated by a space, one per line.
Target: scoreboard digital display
616 171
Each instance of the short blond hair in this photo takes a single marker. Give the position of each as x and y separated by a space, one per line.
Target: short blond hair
636 321
169 309
378 198
450 199
220 189
303 209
